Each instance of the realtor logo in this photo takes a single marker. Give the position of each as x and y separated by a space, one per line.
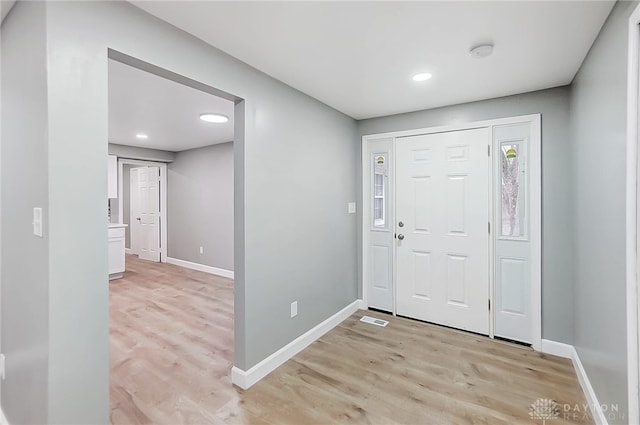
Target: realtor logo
545 409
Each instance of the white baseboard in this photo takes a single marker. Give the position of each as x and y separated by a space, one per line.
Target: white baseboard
559 349
245 379
569 352
596 408
128 251
3 419
200 267
362 305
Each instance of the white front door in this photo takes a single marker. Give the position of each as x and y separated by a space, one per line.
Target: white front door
148 210
442 219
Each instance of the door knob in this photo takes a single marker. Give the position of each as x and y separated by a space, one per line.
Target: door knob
138 218
400 224
401 236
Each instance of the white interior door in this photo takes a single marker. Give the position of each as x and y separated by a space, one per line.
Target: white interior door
513 248
149 213
442 219
134 206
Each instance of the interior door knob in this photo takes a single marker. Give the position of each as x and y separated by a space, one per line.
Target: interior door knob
401 236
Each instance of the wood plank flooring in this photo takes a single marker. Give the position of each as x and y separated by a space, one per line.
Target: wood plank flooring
171 344
171 355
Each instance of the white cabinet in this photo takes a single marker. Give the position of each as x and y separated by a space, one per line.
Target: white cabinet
116 250
112 167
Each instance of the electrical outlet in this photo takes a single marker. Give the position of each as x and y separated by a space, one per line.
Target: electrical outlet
351 207
2 370
37 222
201 250
294 309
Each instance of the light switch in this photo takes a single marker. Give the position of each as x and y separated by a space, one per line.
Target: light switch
352 207
37 222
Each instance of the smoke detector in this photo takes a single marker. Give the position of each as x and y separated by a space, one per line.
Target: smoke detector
482 51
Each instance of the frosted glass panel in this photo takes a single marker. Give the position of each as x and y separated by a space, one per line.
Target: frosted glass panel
512 185
379 190
378 184
378 209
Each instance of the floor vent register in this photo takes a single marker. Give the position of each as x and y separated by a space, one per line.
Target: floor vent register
374 321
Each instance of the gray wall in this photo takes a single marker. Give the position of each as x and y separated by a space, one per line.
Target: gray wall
553 104
598 106
78 390
293 208
295 240
200 206
143 154
24 168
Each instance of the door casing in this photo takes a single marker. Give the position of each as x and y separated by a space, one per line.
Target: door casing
633 217
535 212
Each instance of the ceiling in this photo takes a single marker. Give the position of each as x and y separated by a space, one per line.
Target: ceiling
168 112
359 56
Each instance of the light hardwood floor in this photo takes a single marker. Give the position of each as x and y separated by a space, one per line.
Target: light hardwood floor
171 355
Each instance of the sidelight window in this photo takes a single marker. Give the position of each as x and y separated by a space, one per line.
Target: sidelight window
379 190
512 185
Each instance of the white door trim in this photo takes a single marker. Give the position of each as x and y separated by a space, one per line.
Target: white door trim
535 212
163 198
632 260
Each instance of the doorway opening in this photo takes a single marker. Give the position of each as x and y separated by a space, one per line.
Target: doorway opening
452 226
173 302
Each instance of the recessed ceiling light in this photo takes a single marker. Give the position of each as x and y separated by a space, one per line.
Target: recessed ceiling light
423 76
214 118
142 136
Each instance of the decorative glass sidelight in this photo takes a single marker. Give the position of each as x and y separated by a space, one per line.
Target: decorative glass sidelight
379 190
512 184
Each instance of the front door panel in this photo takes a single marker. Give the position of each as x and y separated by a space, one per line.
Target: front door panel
442 200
